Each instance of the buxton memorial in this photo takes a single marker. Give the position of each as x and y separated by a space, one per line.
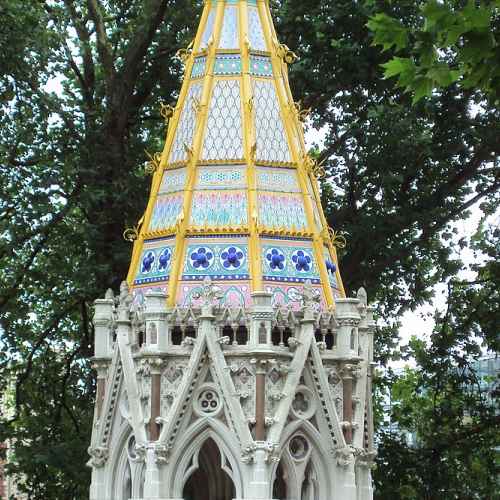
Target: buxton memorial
231 364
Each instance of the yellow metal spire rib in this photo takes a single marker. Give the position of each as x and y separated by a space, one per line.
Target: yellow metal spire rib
249 142
180 243
309 175
287 106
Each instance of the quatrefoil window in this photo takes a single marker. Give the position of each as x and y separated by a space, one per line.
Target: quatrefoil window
299 447
303 404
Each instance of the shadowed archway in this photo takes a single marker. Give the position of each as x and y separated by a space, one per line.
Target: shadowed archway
209 481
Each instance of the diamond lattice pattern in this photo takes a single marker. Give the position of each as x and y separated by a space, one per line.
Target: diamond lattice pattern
255 34
229 33
186 126
223 136
272 145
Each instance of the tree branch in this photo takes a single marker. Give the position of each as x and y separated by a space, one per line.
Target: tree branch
140 43
103 46
86 50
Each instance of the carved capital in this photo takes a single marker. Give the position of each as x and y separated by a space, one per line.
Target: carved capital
271 450
350 371
161 453
348 321
188 342
344 456
293 343
99 455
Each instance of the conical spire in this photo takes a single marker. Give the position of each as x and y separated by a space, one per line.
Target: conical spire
234 195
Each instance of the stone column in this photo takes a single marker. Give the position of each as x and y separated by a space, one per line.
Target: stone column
101 367
347 389
152 476
364 465
259 485
155 314
103 325
260 401
347 482
348 318
260 319
97 484
154 428
364 483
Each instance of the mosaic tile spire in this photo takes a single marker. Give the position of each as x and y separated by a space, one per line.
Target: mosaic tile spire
234 195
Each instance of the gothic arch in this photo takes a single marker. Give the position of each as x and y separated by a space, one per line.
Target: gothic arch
121 467
318 461
185 458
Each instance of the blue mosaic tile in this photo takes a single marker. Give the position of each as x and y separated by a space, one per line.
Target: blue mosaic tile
173 181
330 268
166 210
287 263
277 179
229 33
221 177
282 210
220 261
221 209
154 264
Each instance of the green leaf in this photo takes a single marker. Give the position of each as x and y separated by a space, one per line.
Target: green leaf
434 13
397 66
442 75
388 32
477 17
422 88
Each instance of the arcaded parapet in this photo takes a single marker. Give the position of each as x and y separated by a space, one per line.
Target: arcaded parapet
283 410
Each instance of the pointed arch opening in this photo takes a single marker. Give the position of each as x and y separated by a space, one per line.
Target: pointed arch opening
303 470
208 478
279 485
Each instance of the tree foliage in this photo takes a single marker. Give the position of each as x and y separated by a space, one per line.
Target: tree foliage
451 409
448 42
80 87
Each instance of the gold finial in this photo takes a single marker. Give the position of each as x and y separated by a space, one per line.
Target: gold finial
166 112
154 162
132 233
313 167
285 53
249 104
337 238
253 152
189 151
184 54
302 114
